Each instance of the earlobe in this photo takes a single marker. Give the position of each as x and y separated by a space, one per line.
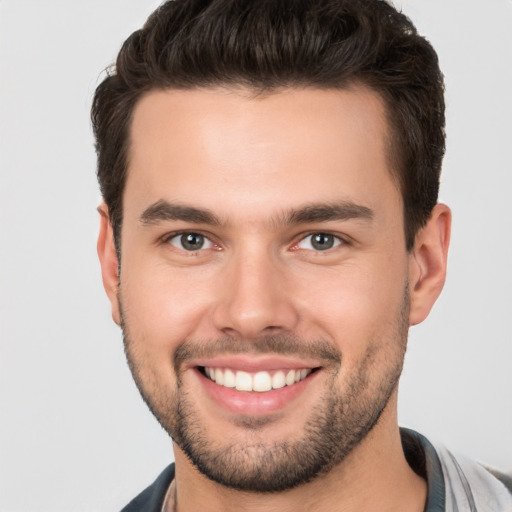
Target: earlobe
428 260
108 261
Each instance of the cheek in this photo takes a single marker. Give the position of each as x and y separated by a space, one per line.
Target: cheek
354 304
159 312
163 307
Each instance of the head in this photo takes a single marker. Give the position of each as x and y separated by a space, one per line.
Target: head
270 174
266 46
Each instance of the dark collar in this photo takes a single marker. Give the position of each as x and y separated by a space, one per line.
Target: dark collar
152 498
423 459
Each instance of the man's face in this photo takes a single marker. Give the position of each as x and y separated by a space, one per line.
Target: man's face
263 248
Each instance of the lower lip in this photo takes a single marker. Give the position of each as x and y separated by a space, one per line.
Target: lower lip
253 403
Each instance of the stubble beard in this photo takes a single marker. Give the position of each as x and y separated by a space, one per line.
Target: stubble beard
337 424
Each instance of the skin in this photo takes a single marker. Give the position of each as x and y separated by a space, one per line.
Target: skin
251 161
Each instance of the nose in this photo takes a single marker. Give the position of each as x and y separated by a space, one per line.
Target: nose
255 298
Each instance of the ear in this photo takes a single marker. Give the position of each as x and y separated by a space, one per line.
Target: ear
109 262
427 264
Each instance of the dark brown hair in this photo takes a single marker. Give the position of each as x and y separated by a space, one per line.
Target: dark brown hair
266 45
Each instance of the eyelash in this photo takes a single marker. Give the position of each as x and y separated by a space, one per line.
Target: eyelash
179 235
337 241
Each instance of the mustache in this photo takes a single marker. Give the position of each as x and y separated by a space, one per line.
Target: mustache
283 345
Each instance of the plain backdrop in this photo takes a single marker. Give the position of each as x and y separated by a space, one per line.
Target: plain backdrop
75 435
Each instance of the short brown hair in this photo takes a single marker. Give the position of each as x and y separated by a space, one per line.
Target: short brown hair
266 45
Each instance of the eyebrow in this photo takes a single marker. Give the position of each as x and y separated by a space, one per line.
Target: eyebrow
165 211
340 211
162 211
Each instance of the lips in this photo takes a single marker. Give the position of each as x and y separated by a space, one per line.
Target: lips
255 387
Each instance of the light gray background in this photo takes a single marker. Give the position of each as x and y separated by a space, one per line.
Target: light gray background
75 436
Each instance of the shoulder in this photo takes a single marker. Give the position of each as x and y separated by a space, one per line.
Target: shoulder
456 482
151 499
505 479
469 483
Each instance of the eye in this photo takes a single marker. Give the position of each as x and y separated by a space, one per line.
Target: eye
319 242
190 242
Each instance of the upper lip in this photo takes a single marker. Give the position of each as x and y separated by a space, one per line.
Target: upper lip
255 364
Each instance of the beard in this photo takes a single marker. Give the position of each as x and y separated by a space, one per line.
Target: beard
340 420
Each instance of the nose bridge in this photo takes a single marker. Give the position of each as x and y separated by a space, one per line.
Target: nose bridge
253 300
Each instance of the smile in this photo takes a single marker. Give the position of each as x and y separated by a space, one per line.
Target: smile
255 386
261 381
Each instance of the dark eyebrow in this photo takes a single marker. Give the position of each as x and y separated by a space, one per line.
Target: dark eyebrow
344 210
164 211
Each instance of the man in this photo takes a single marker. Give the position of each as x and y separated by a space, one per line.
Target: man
270 230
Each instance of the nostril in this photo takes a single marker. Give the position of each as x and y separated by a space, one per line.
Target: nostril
272 329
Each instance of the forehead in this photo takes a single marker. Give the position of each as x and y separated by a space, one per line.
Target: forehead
279 149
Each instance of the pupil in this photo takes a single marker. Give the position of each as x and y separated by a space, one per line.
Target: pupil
322 242
192 241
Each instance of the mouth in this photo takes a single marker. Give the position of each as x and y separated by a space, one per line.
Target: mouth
259 382
255 388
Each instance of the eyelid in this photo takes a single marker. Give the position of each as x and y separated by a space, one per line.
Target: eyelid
166 239
339 240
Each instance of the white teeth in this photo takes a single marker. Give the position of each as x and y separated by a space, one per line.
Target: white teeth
278 380
229 379
260 382
243 381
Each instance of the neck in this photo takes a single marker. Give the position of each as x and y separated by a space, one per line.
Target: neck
374 477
